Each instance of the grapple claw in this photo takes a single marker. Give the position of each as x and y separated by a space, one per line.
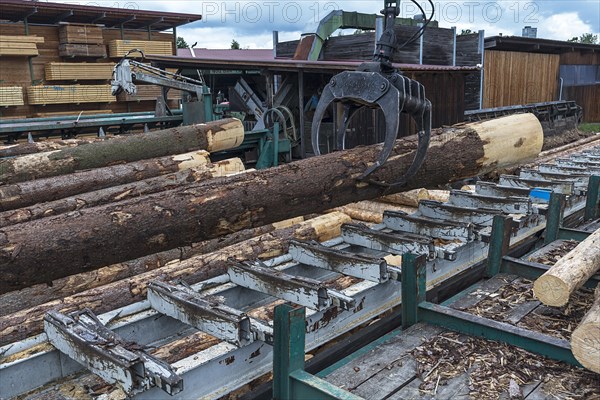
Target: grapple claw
393 95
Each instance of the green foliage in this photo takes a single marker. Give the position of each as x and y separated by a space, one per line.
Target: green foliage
588 38
235 45
181 43
590 127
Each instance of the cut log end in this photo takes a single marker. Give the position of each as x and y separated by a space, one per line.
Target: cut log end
551 290
585 343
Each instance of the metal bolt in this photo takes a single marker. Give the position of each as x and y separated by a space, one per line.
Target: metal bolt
383 86
333 83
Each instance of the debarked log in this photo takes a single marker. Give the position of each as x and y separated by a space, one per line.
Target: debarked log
121 231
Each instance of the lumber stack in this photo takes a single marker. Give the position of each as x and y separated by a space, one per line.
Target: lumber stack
148 92
82 50
69 94
71 113
118 48
61 71
19 45
11 96
80 34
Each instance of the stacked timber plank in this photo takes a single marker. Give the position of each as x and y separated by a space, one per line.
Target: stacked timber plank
81 34
60 71
19 45
118 48
72 112
72 94
81 40
148 92
11 96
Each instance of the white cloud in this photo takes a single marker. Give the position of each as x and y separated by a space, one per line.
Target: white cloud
563 26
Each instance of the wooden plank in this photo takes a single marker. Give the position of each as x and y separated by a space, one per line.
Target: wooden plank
57 71
82 50
11 96
74 94
118 48
395 375
482 291
80 34
73 112
359 370
21 39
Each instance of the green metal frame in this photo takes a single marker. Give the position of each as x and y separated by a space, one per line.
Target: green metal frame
554 229
463 322
290 381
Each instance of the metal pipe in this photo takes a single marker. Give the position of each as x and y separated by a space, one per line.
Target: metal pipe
275 41
454 46
560 89
482 70
421 45
378 29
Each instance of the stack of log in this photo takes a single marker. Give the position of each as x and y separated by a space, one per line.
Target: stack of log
167 214
556 286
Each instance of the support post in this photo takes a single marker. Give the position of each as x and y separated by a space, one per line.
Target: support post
175 40
288 351
290 381
413 287
29 59
275 41
482 51
121 28
301 113
499 244
453 46
592 204
554 217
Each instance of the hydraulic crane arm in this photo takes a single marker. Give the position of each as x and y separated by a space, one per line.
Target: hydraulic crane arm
377 84
129 71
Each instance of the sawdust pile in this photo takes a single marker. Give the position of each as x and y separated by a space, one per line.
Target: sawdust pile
494 368
553 321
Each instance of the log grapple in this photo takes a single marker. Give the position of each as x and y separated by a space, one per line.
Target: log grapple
378 84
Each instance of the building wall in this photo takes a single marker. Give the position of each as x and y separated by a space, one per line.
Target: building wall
14 71
513 78
586 96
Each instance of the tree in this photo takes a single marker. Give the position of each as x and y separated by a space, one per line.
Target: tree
235 45
588 38
466 32
181 43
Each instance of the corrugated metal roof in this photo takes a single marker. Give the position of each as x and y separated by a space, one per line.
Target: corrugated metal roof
263 58
42 12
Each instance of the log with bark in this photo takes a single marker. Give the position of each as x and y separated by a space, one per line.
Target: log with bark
133 228
28 322
372 211
42 293
569 273
212 136
121 192
23 194
21 149
585 339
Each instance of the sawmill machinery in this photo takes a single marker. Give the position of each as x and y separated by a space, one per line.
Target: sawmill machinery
378 84
196 98
262 147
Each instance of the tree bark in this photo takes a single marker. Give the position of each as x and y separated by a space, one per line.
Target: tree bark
569 273
121 192
25 323
585 340
42 293
158 222
212 136
22 149
25 194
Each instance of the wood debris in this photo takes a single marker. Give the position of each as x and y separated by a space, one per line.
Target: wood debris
496 368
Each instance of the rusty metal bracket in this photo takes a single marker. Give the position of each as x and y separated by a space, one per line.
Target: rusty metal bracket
86 340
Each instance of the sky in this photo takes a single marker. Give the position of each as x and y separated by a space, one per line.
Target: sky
251 23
